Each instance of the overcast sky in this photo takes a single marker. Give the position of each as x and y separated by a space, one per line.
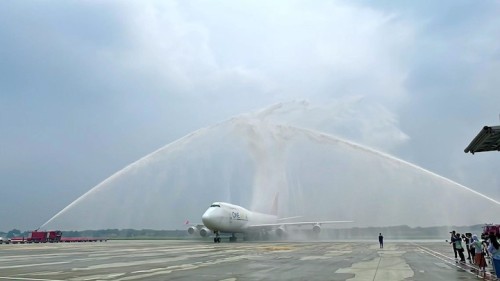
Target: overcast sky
87 88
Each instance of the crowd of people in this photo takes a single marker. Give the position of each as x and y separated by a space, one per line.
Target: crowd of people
477 250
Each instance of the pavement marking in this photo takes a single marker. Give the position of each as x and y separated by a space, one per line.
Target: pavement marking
138 262
160 270
144 275
33 264
276 248
30 279
170 269
310 258
98 277
337 253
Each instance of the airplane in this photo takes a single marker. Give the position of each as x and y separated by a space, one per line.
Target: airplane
222 217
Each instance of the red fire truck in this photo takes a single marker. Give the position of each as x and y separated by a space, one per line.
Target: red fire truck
52 236
490 228
44 236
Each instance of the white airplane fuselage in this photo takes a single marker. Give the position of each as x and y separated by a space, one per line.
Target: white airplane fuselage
223 217
226 217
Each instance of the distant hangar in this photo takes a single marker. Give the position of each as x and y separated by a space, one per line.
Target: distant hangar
488 139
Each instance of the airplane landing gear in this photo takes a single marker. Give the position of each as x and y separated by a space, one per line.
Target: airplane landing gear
217 237
232 238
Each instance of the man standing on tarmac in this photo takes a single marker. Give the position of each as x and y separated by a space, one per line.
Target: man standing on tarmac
458 246
452 239
381 240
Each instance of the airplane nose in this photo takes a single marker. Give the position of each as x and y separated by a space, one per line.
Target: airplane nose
208 219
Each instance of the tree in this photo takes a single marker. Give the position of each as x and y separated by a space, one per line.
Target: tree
13 233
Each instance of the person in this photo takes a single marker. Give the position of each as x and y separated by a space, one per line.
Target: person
381 240
479 259
457 240
472 249
466 239
452 238
494 246
494 250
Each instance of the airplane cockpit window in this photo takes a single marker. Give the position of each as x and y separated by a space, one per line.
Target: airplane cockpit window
215 205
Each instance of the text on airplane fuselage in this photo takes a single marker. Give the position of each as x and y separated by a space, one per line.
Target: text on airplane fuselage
237 216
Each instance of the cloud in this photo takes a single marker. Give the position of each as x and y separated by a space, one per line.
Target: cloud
285 50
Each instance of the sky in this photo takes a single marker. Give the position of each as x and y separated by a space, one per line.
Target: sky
87 88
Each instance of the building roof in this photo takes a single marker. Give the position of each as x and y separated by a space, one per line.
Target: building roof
488 139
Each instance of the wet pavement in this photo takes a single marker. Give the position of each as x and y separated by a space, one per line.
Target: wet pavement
203 260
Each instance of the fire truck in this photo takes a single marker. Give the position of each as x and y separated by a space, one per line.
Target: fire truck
44 236
490 228
52 236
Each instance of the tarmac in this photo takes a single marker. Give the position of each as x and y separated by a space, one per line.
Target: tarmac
204 260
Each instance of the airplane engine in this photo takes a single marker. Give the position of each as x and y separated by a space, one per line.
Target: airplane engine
316 228
280 231
204 232
192 230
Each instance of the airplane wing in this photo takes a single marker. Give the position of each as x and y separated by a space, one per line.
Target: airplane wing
289 218
271 225
281 228
196 225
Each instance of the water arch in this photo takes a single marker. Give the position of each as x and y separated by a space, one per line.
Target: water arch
247 161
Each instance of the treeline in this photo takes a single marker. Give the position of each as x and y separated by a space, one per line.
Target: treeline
12 233
400 232
127 233
110 233
392 232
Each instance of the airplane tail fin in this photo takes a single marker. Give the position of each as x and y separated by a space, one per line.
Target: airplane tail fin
274 208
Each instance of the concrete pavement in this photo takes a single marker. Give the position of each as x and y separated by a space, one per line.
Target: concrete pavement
203 260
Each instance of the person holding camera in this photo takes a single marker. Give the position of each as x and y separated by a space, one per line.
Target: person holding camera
457 240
